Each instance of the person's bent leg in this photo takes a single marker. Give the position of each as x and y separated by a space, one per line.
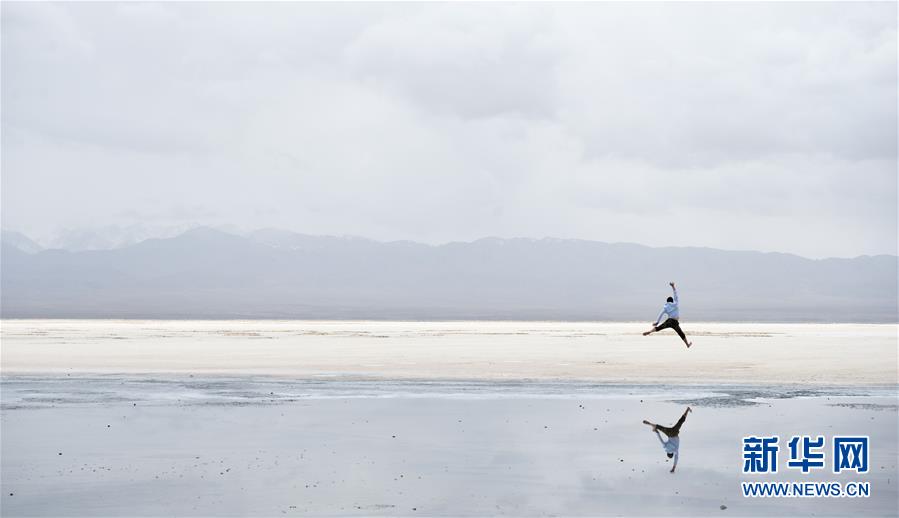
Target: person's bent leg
656 328
680 332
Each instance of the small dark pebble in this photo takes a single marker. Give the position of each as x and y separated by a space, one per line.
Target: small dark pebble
10 494
723 507
60 453
108 426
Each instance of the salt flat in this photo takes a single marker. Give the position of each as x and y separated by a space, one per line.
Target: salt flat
828 354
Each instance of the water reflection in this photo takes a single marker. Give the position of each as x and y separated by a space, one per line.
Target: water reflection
672 445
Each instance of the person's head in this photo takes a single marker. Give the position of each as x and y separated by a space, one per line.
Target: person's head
669 299
670 455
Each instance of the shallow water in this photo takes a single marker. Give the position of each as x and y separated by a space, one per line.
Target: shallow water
29 392
135 445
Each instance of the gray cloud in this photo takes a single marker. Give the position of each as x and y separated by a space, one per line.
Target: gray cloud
750 126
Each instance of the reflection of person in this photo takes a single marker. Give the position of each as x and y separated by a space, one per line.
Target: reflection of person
672 311
672 445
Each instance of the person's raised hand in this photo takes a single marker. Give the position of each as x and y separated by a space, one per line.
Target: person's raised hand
671 284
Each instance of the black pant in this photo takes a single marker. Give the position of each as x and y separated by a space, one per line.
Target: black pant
674 430
673 324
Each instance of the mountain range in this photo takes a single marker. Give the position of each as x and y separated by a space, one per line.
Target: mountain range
270 273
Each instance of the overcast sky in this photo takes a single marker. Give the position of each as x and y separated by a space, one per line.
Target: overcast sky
743 126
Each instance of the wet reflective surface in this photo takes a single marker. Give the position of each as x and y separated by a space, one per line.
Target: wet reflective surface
114 445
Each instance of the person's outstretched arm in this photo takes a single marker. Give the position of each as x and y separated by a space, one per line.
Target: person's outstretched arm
676 455
674 289
659 318
660 437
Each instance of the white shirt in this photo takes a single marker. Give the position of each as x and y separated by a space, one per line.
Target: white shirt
672 445
670 308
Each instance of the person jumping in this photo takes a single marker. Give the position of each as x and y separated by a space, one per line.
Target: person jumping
671 310
672 445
